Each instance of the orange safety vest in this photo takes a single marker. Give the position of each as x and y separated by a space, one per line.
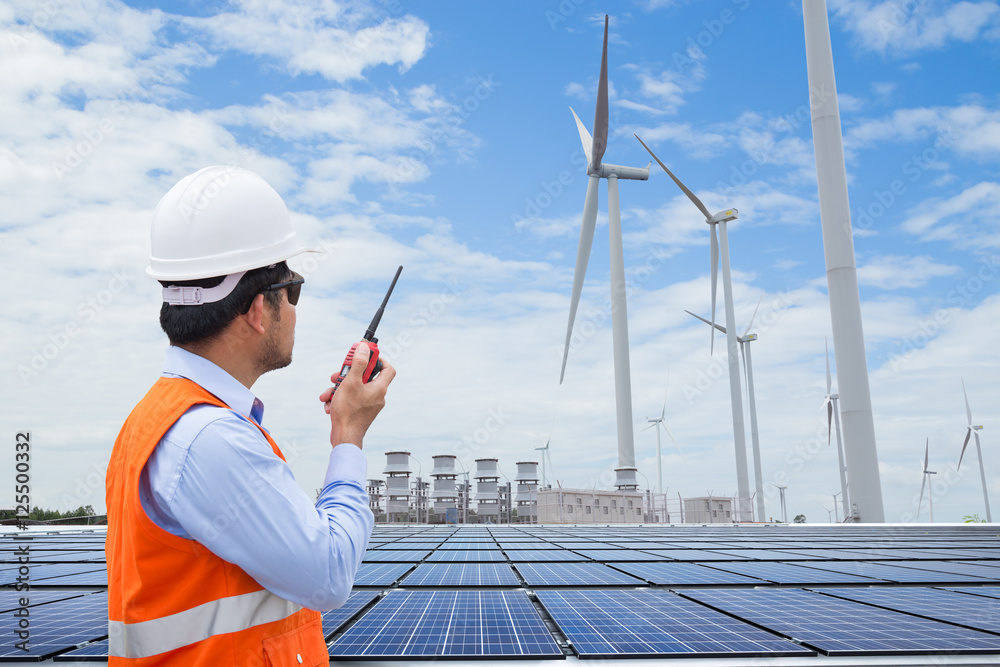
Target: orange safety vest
171 601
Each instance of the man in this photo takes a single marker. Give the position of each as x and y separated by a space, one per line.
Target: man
215 555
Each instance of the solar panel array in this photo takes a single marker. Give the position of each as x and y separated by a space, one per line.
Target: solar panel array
607 592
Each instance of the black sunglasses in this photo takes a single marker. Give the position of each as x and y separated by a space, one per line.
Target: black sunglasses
294 289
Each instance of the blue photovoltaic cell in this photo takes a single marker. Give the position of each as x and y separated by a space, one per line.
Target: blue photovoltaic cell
674 573
466 556
648 623
544 556
449 623
380 574
692 555
952 568
10 599
334 618
894 573
574 574
787 573
380 556
766 554
40 573
407 546
57 626
971 611
96 652
841 627
601 555
461 574
986 591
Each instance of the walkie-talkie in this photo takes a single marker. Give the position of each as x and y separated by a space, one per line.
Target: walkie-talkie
374 364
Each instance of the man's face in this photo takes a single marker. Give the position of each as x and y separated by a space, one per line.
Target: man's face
276 349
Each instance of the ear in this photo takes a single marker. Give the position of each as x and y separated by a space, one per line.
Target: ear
255 316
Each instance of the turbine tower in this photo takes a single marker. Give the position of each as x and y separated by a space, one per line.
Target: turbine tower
833 414
739 436
930 487
860 450
744 342
781 491
970 431
594 147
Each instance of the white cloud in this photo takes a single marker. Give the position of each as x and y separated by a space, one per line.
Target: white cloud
970 129
339 41
970 219
895 27
891 272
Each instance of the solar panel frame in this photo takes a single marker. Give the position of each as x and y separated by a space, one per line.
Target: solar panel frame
461 575
684 574
574 574
57 627
978 613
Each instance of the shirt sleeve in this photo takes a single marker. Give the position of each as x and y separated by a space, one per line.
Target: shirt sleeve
241 501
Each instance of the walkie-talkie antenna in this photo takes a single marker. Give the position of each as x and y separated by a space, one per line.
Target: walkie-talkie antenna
370 333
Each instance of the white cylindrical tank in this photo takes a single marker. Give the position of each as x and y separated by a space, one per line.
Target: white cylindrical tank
397 463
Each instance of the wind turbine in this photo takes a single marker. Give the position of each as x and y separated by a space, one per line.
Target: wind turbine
545 454
720 219
594 147
744 342
781 491
930 487
833 414
656 422
974 430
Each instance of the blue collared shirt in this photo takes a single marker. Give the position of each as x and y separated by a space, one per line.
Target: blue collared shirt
214 478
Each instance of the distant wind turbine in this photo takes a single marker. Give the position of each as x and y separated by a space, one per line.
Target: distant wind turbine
594 147
833 414
744 342
545 453
657 422
930 487
974 430
720 219
781 491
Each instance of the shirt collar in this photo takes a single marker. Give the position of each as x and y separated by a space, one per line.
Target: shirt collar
181 363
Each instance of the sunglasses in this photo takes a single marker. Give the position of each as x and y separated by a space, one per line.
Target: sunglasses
294 289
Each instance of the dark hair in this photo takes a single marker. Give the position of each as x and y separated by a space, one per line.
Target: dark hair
200 324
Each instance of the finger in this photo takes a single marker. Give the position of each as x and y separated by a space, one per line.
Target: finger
326 395
385 376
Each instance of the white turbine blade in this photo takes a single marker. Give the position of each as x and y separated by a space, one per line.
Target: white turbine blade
601 112
754 316
585 137
715 279
663 410
655 422
718 327
829 380
582 257
690 195
968 410
927 454
675 443
964 445
829 419
746 376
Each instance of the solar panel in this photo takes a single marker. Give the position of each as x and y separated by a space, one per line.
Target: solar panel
574 574
335 618
841 627
449 623
953 567
677 574
466 556
380 574
56 627
461 574
692 555
10 599
649 623
380 556
788 573
894 573
617 555
40 573
544 556
979 613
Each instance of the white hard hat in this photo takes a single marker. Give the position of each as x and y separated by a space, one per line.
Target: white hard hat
216 222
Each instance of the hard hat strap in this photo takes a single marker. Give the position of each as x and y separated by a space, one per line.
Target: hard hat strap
195 296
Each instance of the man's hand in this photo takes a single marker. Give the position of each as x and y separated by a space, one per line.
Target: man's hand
355 405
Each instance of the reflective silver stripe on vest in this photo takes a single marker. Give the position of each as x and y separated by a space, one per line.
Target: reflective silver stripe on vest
231 614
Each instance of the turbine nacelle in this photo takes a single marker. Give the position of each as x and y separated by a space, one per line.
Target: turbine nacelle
622 173
723 216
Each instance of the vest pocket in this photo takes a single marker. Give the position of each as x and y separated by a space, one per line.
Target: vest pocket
302 647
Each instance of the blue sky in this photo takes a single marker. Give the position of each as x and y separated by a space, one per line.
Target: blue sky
438 136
